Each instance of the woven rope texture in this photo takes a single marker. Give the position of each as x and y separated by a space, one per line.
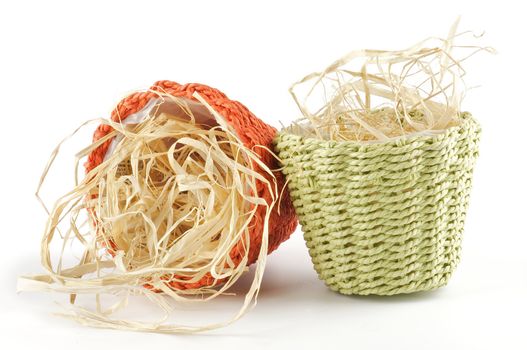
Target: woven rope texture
252 132
383 218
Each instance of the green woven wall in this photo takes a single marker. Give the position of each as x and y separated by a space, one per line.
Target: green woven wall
383 218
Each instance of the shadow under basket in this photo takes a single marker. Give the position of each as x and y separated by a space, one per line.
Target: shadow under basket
387 217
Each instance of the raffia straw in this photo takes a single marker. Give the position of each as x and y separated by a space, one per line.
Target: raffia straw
375 95
169 204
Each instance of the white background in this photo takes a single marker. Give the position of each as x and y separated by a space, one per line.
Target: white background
62 63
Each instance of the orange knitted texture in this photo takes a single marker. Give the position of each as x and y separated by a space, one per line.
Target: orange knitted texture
252 132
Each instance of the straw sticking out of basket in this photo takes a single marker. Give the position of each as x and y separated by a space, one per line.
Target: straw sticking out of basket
375 95
173 201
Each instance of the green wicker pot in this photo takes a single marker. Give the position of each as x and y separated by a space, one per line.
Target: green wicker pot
383 218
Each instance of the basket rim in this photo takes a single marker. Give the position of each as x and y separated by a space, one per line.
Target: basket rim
468 122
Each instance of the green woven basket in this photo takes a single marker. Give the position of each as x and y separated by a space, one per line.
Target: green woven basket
383 218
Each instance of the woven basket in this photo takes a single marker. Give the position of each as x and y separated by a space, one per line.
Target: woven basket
383 218
252 131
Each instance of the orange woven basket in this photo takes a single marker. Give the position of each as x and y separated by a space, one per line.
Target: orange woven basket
252 132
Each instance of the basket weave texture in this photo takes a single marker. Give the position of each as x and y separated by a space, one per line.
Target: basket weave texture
383 218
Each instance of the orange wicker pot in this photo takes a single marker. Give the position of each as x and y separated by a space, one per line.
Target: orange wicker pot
251 131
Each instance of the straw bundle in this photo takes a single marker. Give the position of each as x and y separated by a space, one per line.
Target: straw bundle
182 196
375 95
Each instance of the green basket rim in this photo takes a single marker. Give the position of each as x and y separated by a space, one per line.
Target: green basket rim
468 121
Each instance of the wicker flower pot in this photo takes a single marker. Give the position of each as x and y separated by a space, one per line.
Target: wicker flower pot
383 218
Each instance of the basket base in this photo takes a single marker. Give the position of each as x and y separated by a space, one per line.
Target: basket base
409 289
